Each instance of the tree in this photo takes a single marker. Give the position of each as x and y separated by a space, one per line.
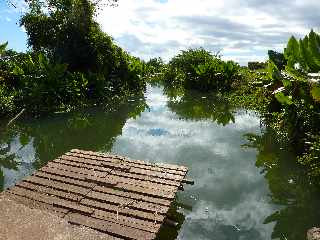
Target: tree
278 59
66 31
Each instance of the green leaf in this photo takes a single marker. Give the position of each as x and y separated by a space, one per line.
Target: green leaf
273 72
3 47
43 61
17 70
24 139
315 92
283 99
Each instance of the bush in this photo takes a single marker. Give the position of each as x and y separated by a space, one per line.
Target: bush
72 63
278 59
295 99
256 65
34 82
199 69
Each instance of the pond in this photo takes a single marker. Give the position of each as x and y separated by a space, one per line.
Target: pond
247 186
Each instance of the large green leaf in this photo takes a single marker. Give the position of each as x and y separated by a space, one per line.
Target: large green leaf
315 92
273 72
283 99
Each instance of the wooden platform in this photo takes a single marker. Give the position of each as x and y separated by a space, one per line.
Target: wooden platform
124 199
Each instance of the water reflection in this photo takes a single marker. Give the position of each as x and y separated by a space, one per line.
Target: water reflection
31 143
230 197
255 192
7 159
194 105
289 188
171 231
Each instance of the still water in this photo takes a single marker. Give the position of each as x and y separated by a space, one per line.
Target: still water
246 185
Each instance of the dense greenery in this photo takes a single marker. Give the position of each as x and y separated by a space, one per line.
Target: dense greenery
199 69
286 92
278 59
298 95
71 62
287 95
256 65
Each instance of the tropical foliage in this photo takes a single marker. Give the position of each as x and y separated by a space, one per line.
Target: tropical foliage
199 69
291 89
72 62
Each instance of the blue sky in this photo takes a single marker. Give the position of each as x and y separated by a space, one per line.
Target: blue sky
11 32
242 30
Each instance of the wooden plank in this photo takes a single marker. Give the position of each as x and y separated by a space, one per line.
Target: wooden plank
109 227
86 165
79 176
162 165
76 167
75 170
156 174
130 163
53 200
50 191
122 210
58 185
127 221
60 212
124 184
127 162
140 171
94 162
134 204
145 178
116 180
160 193
130 195
100 177
83 184
79 165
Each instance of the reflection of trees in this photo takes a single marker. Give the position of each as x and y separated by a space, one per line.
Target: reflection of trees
197 106
171 232
7 159
289 186
52 136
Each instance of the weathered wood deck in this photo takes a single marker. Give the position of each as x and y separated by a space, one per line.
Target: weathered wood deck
122 198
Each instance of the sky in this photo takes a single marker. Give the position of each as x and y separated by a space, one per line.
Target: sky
241 30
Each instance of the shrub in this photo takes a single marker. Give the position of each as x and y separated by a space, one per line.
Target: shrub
295 96
256 65
199 69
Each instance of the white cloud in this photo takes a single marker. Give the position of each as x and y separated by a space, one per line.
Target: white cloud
149 28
